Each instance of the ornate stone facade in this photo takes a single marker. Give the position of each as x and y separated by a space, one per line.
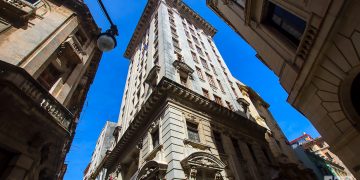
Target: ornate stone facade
47 63
183 115
313 47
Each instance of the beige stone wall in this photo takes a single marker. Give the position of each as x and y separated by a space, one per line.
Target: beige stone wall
318 72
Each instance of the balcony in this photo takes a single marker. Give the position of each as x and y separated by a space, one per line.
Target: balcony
29 90
18 10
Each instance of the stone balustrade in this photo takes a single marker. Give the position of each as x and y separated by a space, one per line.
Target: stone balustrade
18 78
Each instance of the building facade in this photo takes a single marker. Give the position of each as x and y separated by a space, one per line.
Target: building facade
316 155
102 146
183 114
48 59
313 47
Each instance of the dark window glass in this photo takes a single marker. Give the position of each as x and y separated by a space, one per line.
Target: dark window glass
286 23
155 138
218 142
193 132
237 149
32 1
252 152
49 76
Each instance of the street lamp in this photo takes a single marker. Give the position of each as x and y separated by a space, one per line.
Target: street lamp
106 41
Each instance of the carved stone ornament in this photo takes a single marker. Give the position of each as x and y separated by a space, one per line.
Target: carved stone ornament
203 160
193 172
218 176
151 169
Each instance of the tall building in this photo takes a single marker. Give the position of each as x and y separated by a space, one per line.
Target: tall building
183 114
313 47
102 147
316 155
48 59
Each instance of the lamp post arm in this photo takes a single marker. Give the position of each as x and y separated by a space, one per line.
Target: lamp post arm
113 27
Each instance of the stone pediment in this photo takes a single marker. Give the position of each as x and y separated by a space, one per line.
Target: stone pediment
182 66
203 160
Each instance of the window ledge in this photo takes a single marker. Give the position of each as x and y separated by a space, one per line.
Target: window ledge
153 153
198 145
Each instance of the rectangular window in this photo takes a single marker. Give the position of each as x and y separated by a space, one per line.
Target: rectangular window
204 63
213 68
49 76
187 34
192 31
198 70
237 149
291 26
210 79
218 99
190 44
155 138
175 42
207 55
218 142
233 89
206 93
183 81
198 49
194 57
195 40
252 152
229 105
193 133
220 85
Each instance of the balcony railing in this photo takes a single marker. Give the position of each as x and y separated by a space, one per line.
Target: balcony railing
19 9
28 86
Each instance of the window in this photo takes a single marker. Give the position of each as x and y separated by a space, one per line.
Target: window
199 73
183 81
194 57
193 133
204 63
155 138
213 68
187 34
207 55
192 31
278 143
198 49
229 105
220 85
175 42
233 89
236 146
218 99
195 40
191 45
210 79
32 1
206 93
286 23
218 142
49 76
266 154
203 45
328 155
252 152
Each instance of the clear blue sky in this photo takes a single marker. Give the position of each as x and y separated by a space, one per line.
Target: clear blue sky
104 98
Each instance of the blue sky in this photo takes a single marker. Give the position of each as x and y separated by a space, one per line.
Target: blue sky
104 98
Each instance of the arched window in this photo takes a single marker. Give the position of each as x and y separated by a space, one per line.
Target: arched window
355 93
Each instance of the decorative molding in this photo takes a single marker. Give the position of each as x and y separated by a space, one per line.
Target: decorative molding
153 153
197 145
202 160
151 169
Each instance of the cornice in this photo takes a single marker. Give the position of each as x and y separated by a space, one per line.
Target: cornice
168 89
144 22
